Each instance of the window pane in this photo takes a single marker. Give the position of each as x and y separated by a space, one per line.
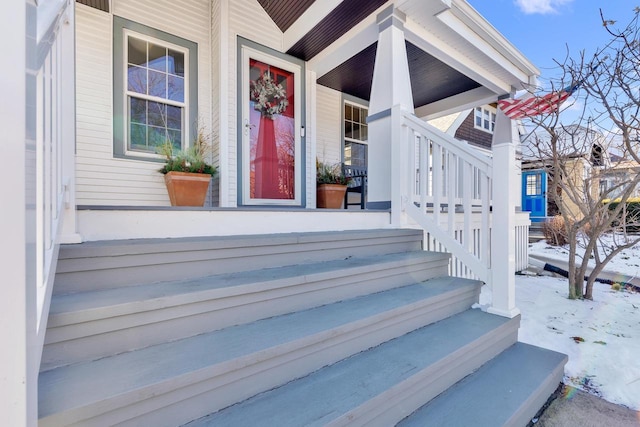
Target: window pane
157 137
176 63
157 84
348 130
356 130
138 137
364 132
137 51
358 154
157 57
138 110
348 112
157 115
365 114
176 88
175 136
174 117
137 79
356 114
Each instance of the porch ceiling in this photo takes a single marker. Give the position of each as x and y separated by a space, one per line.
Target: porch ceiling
431 79
285 12
340 20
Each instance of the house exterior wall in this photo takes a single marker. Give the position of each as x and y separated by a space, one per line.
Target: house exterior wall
576 171
467 132
101 178
329 116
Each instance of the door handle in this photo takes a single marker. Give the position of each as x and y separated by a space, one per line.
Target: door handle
248 126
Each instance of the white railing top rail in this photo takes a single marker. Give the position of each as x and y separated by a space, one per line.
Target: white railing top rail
49 14
474 157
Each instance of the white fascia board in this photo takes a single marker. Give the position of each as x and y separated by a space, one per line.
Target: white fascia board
462 101
309 19
438 48
488 49
480 25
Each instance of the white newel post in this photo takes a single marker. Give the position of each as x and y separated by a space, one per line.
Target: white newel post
391 87
503 234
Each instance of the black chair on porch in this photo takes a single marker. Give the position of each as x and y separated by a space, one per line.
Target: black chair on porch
357 184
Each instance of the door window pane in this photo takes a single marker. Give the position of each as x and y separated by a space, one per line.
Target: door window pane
272 139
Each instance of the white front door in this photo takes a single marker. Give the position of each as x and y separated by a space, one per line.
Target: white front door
271 130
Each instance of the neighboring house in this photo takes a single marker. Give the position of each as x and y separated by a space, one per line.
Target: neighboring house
584 155
120 309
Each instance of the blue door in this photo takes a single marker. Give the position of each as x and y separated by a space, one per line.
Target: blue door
534 194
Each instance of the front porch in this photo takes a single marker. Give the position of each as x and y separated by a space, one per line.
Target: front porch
135 277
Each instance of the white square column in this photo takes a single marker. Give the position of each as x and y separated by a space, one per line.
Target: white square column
503 230
391 86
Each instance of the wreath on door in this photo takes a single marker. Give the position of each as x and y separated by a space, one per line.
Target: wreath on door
269 96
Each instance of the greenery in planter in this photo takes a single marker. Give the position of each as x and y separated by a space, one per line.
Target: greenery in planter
330 174
190 160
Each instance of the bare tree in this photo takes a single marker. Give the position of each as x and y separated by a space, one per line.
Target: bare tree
593 162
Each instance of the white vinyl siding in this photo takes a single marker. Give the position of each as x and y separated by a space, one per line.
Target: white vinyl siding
101 178
329 116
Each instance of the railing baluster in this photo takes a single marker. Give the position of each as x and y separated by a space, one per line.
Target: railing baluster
451 190
485 233
437 181
424 173
467 190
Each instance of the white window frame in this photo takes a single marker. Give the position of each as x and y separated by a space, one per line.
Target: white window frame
486 125
361 122
186 137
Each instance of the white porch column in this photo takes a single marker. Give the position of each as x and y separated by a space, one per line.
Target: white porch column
391 86
18 378
503 235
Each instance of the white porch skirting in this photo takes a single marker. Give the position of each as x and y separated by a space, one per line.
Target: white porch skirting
115 223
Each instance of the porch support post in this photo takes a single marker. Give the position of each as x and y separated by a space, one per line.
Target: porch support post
67 141
503 234
18 373
391 86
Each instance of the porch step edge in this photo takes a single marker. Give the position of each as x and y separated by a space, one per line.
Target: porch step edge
177 244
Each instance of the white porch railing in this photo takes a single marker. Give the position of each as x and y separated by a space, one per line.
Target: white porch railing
54 148
457 267
447 190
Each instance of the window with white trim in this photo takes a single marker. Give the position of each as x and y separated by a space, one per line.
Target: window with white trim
155 93
356 134
485 119
154 97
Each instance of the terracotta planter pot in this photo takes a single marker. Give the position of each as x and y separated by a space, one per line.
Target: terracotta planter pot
186 188
330 196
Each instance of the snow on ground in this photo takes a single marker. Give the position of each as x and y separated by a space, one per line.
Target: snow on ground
626 262
601 337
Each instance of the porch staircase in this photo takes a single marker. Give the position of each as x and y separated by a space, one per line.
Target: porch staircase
336 328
